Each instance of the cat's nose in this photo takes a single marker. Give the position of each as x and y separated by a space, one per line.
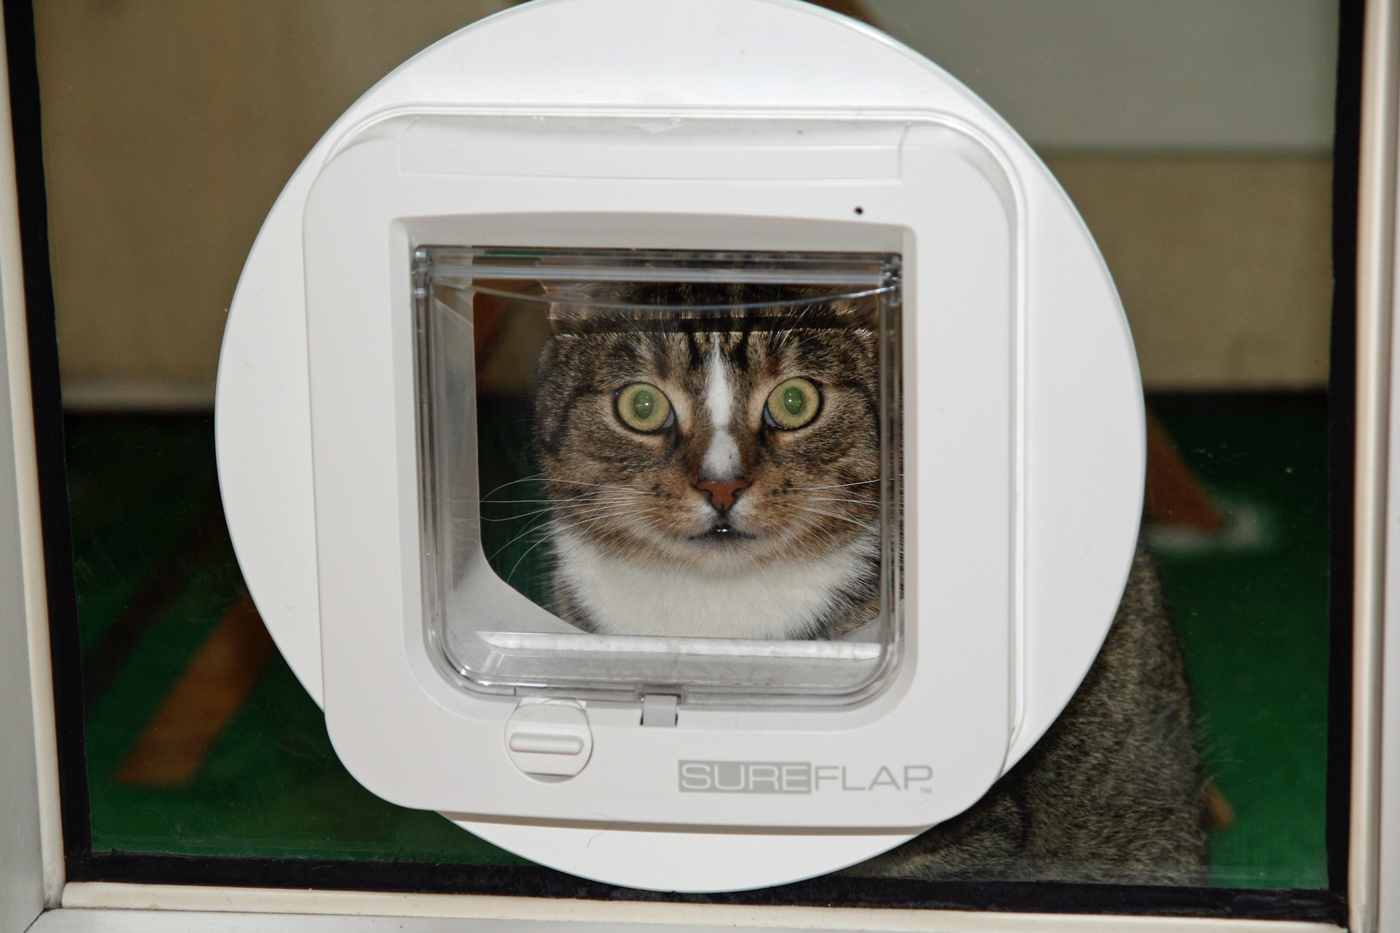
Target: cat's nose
722 494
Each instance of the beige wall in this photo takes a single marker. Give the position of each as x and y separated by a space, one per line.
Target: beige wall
169 128
171 125
1223 262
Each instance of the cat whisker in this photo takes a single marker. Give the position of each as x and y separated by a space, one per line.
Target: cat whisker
864 482
594 515
542 540
534 477
844 518
538 526
551 506
592 518
522 515
539 477
550 499
628 509
595 518
574 482
594 522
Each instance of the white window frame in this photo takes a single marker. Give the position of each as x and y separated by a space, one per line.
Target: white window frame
34 893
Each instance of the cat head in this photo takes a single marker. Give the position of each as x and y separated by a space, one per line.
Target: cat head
739 427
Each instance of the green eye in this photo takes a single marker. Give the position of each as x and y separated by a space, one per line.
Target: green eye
793 403
643 407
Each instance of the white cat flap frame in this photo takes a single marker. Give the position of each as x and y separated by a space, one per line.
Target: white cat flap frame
743 125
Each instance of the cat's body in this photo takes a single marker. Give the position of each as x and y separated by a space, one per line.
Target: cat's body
686 503
1113 792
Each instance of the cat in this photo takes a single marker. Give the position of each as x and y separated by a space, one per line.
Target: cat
718 473
711 474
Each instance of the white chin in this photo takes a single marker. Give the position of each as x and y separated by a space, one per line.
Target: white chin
715 591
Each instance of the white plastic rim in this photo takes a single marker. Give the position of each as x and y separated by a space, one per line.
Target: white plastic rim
681 861
1083 486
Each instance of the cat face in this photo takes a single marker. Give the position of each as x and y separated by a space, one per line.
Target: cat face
713 444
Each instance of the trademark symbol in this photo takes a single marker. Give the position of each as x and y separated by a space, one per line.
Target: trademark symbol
926 790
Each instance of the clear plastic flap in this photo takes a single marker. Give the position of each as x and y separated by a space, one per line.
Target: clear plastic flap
661 472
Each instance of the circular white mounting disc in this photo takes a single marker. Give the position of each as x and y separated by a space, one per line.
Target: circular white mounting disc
754 55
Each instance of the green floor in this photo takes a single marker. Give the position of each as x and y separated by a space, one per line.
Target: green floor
1252 617
155 572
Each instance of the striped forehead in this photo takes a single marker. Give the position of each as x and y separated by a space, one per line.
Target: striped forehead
695 350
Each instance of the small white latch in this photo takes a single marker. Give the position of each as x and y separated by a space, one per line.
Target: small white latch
549 738
659 709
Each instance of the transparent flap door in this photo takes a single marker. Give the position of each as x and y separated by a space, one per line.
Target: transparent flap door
649 471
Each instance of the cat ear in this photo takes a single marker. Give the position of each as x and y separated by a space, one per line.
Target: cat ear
567 318
862 312
573 306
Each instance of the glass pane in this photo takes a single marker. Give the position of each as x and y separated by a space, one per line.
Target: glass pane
1195 139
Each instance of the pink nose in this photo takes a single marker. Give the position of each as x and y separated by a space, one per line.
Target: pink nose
722 495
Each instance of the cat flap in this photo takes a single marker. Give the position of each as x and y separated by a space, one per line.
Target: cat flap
655 453
649 471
